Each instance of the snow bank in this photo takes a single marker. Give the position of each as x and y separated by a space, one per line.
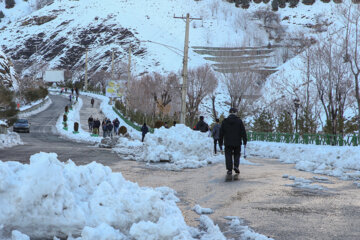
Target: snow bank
237 226
200 210
47 104
342 162
48 198
180 146
9 140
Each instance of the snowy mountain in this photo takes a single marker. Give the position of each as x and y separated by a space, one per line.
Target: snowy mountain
7 73
57 35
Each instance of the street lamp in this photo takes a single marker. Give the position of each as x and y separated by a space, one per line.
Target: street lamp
297 105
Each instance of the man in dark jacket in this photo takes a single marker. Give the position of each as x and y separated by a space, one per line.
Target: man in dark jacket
144 131
215 133
96 126
233 133
116 124
202 125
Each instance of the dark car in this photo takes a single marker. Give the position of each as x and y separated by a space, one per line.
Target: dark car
21 125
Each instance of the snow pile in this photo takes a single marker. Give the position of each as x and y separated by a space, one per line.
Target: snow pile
48 198
72 117
9 140
179 145
200 210
342 162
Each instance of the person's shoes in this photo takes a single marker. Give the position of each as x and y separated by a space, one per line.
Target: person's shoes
229 172
236 170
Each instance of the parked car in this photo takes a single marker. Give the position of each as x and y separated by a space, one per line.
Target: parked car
21 125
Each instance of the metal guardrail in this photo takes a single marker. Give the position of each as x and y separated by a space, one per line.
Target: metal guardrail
39 105
317 139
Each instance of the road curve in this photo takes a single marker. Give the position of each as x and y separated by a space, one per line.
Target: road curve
43 137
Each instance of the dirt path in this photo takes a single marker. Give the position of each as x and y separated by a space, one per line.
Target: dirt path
261 198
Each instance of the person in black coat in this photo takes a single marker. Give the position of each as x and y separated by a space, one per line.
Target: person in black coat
202 126
144 131
233 134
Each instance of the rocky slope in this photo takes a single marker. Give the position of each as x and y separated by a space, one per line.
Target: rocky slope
7 73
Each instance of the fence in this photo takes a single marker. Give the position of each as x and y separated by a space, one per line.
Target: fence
318 139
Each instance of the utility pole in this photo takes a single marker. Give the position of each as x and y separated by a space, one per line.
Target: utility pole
86 80
128 81
185 66
112 65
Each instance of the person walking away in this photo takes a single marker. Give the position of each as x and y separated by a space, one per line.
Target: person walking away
202 126
109 128
91 122
174 123
72 90
144 131
92 102
103 126
215 133
116 124
70 97
233 134
96 126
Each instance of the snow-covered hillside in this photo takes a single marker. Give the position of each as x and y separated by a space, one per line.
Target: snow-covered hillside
57 36
63 30
7 73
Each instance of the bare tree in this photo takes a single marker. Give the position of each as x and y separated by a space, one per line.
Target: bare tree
99 80
352 55
241 85
201 82
332 80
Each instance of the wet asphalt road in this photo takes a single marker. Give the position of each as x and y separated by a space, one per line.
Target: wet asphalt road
44 138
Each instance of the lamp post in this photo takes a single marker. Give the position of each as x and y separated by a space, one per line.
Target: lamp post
297 105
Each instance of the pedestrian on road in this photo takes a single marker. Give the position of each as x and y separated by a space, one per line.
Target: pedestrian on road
66 90
70 98
202 126
103 126
96 126
215 133
91 123
233 133
109 128
174 123
72 90
144 131
116 124
92 102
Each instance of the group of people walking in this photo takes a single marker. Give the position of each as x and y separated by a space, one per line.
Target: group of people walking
107 126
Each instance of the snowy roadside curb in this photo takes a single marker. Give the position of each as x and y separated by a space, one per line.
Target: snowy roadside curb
35 107
74 116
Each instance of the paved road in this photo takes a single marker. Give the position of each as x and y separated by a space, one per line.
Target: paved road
44 138
261 197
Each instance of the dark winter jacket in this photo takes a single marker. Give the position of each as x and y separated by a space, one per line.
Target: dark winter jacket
109 127
202 126
90 120
215 133
232 131
116 123
96 124
144 129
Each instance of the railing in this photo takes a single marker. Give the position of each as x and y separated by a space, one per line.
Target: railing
318 139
